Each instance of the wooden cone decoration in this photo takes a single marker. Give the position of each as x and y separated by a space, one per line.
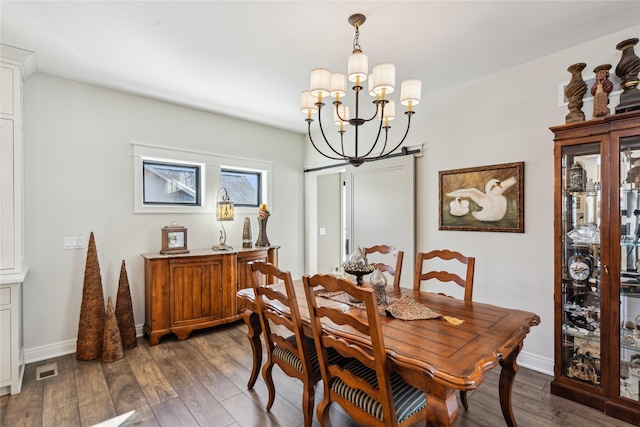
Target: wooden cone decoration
124 311
112 348
92 316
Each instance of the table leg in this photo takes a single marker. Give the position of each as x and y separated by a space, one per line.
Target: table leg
442 406
252 320
507 376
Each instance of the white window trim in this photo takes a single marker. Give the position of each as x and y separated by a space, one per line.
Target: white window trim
210 176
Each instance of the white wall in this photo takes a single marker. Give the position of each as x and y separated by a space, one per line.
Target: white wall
501 119
79 179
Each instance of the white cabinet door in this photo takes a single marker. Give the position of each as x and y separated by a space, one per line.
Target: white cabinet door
7 197
5 346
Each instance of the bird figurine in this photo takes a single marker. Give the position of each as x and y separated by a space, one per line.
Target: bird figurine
459 207
492 202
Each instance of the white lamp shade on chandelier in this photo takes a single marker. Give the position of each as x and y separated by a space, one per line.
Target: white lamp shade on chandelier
381 83
410 91
384 79
357 67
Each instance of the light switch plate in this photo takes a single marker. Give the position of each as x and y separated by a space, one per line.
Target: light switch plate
73 243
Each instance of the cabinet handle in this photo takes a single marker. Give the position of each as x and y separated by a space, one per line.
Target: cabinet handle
606 269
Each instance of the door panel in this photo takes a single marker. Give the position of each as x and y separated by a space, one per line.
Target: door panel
379 207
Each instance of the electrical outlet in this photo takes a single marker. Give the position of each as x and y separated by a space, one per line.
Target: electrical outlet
73 243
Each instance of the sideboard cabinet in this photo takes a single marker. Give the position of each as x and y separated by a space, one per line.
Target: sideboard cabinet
185 292
597 264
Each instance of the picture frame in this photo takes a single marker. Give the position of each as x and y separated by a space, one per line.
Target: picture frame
174 240
464 204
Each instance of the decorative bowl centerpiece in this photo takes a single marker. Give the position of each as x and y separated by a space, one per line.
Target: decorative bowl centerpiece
357 265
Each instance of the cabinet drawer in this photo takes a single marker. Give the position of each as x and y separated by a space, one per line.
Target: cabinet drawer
5 296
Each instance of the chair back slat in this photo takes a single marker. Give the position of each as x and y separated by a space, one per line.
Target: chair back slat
337 316
445 276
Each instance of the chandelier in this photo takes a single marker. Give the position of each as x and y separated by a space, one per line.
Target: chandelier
381 83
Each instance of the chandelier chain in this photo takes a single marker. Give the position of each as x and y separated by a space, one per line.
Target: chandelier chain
356 44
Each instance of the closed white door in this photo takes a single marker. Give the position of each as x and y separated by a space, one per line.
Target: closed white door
379 208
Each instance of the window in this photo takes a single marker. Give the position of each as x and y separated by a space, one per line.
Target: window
167 183
244 187
172 180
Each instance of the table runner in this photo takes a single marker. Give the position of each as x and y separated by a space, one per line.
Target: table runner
403 308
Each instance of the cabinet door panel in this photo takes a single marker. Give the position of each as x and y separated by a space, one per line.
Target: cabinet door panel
5 349
195 292
7 192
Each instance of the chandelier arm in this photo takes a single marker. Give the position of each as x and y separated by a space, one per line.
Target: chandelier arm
324 136
409 114
386 140
357 117
317 149
375 113
338 104
376 141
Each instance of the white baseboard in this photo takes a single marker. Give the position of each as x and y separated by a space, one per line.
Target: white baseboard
536 363
50 351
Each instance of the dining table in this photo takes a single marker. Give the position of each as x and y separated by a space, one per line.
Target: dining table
440 355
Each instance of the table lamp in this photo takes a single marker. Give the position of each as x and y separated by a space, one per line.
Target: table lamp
224 212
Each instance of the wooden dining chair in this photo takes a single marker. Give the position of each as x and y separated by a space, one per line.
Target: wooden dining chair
394 271
364 387
295 359
421 276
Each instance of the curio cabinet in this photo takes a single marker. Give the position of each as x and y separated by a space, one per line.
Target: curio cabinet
597 264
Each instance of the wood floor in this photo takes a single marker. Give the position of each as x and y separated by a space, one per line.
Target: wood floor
202 382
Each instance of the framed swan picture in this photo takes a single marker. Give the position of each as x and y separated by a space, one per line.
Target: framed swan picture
486 198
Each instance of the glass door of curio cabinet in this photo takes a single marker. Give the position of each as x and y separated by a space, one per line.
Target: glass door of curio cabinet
581 220
627 154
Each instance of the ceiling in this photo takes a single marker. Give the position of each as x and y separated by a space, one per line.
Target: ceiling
251 59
